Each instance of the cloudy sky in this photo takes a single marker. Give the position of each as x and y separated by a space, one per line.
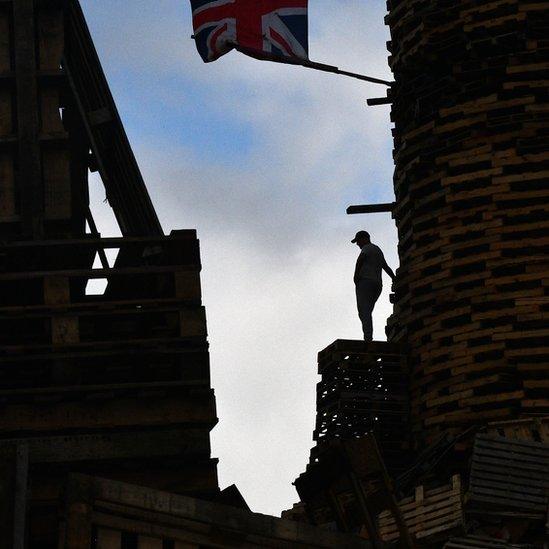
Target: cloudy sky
262 159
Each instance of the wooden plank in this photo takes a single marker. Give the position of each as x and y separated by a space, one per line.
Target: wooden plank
6 113
176 238
98 273
30 179
427 513
146 542
8 207
50 104
151 513
65 330
21 496
108 539
57 184
371 208
5 41
174 410
162 441
51 37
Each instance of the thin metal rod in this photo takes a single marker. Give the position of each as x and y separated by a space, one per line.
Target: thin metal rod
311 65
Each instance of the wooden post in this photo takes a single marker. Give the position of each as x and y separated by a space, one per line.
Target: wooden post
78 529
21 492
369 521
14 466
29 172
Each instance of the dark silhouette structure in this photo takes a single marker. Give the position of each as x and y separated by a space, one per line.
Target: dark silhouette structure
105 398
471 132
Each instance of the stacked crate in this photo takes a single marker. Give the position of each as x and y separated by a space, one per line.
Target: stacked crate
363 390
431 515
115 384
509 478
111 382
471 115
43 147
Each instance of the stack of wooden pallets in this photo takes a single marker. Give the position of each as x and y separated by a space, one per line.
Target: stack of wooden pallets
113 382
509 478
430 515
471 114
363 390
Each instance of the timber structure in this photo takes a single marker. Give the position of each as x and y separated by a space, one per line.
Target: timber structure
106 405
470 109
115 383
463 432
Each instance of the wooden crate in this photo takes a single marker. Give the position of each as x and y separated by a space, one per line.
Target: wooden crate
148 327
364 390
509 478
429 514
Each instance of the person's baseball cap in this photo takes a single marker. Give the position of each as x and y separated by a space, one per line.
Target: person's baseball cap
360 234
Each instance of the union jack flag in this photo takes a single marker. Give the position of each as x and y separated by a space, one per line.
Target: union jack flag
262 28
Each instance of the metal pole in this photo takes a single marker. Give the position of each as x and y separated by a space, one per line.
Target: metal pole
310 65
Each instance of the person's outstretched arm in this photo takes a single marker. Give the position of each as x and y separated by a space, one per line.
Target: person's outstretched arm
388 270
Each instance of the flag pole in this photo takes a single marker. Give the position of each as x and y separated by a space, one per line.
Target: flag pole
311 65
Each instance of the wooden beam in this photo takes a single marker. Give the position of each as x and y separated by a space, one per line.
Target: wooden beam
374 101
13 495
21 491
29 172
371 208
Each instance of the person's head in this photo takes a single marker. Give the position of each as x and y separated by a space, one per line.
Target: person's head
361 239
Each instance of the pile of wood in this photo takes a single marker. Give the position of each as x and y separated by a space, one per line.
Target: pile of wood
115 381
104 514
504 501
509 478
363 390
430 514
471 114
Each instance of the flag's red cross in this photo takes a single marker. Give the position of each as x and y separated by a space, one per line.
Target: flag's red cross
248 15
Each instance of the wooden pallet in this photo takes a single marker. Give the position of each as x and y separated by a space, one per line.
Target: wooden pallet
115 384
363 390
534 429
112 515
471 158
482 542
148 326
509 478
429 514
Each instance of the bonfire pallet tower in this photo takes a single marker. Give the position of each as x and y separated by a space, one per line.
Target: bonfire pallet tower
471 297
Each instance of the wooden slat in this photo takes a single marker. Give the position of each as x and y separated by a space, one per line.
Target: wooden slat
146 542
29 181
108 539
428 513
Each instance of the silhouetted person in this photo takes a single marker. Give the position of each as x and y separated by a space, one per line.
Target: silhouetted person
369 265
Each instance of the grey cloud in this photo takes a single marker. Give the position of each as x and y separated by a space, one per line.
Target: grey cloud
277 259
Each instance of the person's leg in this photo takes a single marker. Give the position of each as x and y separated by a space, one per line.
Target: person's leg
367 294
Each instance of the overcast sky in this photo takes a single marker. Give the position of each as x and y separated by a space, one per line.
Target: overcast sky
262 159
